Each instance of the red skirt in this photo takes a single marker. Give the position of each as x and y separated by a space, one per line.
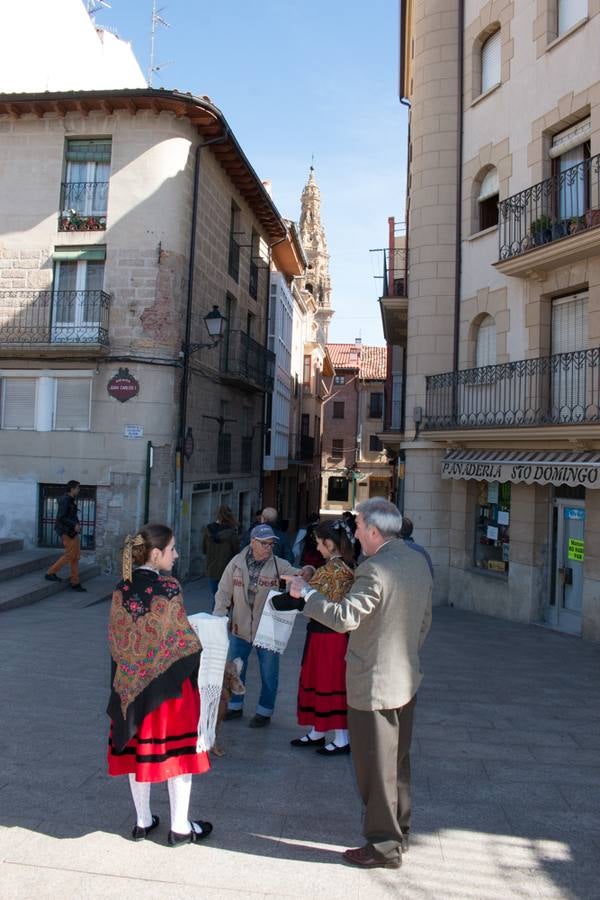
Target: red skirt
322 687
165 743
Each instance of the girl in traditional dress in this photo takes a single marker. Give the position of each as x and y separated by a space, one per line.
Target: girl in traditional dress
322 685
154 704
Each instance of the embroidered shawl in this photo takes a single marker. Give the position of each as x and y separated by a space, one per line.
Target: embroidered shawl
148 633
333 580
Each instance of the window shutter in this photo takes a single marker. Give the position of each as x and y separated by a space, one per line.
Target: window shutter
570 12
489 186
88 151
18 403
571 137
569 324
490 62
485 354
72 404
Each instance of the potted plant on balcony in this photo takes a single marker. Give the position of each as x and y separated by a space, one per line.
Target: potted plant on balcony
576 223
71 220
541 230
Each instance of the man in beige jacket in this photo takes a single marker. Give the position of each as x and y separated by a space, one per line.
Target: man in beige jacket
388 615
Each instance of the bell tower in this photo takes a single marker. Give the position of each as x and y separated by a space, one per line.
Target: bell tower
317 280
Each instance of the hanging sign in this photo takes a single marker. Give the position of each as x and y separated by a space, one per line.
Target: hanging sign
123 386
575 549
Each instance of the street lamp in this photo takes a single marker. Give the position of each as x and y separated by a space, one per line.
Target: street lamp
215 325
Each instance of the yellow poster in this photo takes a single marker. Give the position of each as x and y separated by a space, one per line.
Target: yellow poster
575 549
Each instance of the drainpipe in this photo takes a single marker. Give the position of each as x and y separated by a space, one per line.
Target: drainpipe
459 196
179 463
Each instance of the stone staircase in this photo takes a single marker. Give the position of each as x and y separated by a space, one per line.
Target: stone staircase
22 577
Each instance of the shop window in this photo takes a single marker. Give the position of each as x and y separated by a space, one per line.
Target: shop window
492 524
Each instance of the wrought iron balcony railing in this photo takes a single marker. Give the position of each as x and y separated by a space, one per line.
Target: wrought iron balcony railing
302 447
553 209
83 206
247 362
563 389
392 269
54 317
234 258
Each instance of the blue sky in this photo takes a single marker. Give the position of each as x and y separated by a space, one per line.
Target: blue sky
296 78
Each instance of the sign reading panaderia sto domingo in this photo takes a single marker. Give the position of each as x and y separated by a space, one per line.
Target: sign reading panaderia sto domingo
540 468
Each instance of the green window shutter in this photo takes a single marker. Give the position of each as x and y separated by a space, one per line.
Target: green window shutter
88 151
72 254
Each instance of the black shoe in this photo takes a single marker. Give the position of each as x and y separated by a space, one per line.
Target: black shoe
259 721
140 834
337 751
79 587
52 577
405 835
308 742
200 830
233 714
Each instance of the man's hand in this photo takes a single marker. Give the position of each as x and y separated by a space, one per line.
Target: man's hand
295 584
307 572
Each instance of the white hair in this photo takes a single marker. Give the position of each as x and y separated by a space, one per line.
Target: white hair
382 515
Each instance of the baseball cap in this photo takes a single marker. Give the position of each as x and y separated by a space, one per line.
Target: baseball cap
263 533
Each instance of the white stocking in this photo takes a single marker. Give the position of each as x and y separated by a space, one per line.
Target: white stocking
314 735
340 737
140 791
180 789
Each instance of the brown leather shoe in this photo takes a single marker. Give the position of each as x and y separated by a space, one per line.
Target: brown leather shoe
368 857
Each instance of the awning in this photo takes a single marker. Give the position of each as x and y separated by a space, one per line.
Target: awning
574 468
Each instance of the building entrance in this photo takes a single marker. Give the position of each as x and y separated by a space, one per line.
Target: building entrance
568 533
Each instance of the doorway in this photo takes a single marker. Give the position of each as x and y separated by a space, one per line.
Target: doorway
568 551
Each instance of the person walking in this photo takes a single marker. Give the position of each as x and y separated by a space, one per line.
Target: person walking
243 591
154 704
322 684
298 545
270 516
388 614
220 542
68 527
406 535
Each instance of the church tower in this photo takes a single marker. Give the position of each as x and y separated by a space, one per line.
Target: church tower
317 280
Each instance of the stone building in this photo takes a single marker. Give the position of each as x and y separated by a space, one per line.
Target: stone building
127 217
502 304
355 465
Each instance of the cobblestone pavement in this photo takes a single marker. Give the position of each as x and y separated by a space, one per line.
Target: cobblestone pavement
506 776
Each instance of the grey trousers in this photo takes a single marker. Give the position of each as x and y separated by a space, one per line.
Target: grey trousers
380 741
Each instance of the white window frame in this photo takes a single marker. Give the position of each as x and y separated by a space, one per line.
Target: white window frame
491 61
485 341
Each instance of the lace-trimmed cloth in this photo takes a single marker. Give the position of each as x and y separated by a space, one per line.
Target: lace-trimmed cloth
148 633
212 632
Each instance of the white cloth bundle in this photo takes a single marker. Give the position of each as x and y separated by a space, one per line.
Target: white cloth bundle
212 634
274 628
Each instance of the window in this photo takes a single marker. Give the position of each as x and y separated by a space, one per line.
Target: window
84 193
570 149
337 448
375 445
246 462
569 13
234 247
254 250
485 343
78 303
337 489
338 409
305 425
490 62
376 405
487 201
224 453
59 401
339 379
307 373
72 404
18 403
569 334
492 523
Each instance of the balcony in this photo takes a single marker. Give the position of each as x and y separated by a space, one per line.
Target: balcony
558 390
246 363
552 223
391 265
302 448
83 206
44 322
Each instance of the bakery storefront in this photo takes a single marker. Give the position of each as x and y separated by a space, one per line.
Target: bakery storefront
525 535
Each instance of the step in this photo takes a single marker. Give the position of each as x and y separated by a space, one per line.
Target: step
32 587
12 565
10 545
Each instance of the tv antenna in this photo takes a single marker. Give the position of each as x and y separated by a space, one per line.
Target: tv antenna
94 6
157 20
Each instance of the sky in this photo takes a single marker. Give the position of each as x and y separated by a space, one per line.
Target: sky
298 79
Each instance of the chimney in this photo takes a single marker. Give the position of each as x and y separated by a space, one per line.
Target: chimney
268 186
358 342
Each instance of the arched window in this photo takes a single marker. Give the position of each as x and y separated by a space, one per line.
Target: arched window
491 62
487 200
485 343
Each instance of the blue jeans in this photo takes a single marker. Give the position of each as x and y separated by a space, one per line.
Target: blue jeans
268 662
